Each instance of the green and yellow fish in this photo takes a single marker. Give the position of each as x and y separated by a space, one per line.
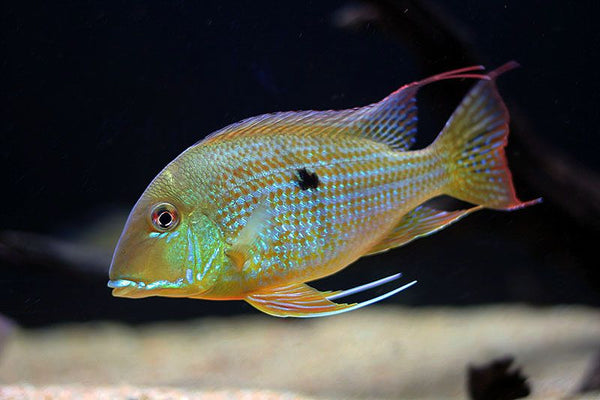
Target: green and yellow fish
259 208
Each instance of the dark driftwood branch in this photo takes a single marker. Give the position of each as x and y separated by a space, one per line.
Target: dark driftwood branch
25 248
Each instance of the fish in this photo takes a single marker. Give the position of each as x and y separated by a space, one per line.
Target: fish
259 208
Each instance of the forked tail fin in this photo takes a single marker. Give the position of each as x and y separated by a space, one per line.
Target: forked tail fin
472 147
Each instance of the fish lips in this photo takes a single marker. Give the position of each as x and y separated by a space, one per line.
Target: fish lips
128 288
133 289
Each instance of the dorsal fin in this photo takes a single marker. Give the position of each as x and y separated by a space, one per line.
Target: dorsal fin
300 122
392 121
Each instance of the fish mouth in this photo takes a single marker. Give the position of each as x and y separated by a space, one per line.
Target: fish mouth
128 288
120 283
133 289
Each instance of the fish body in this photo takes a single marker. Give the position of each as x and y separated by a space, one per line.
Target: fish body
261 207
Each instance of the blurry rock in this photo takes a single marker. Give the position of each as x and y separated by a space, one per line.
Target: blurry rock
497 381
591 381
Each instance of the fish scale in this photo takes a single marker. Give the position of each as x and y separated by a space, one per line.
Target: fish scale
361 181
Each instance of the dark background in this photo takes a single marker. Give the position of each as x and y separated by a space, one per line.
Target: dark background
98 96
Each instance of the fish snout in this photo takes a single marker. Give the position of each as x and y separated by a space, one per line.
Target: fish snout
127 275
121 287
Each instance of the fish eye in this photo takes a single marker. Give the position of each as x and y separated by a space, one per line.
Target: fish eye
164 217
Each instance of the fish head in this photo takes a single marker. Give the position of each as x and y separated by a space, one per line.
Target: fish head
169 246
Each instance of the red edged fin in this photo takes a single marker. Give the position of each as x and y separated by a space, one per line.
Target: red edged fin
392 121
461 73
472 145
421 221
512 64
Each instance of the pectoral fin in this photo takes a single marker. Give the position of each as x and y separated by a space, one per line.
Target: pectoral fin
419 222
296 300
240 250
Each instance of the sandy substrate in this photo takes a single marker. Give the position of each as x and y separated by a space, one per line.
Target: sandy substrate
385 353
68 392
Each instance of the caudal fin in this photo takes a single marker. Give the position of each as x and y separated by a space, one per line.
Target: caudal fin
472 147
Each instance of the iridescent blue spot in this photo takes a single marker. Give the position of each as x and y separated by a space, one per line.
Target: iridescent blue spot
172 236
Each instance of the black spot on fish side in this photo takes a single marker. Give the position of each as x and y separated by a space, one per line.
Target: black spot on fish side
306 179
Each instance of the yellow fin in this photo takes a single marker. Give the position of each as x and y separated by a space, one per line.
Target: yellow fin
392 121
295 300
471 146
419 222
302 301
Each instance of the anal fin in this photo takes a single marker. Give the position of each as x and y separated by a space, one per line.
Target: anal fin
419 222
